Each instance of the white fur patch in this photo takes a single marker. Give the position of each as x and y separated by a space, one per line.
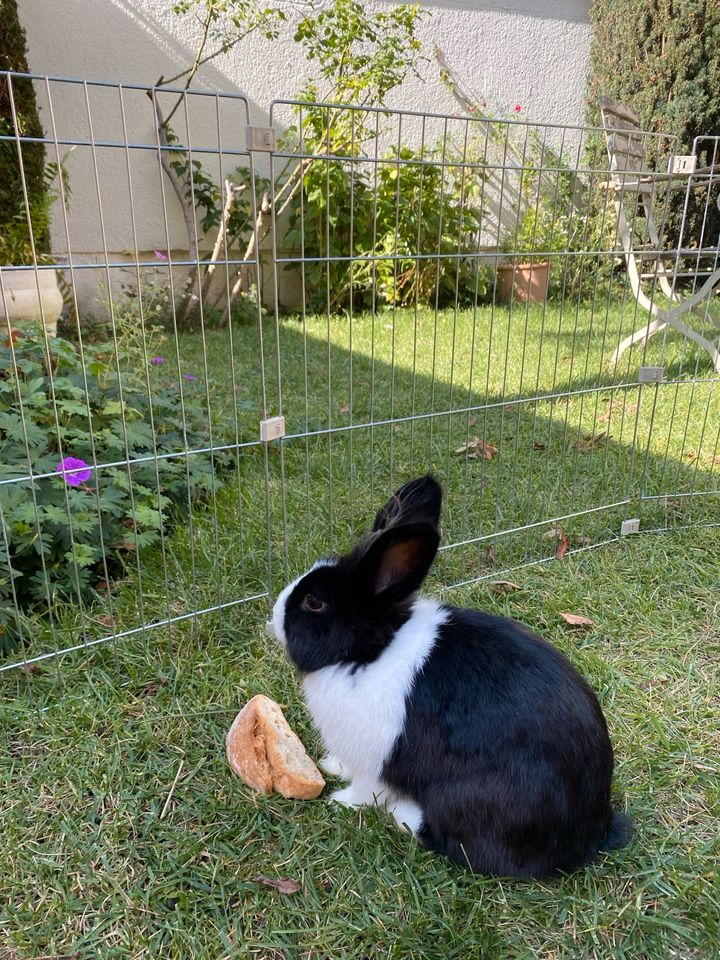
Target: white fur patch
361 793
360 715
332 766
408 815
276 626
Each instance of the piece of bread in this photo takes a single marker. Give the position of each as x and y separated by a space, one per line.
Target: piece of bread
267 755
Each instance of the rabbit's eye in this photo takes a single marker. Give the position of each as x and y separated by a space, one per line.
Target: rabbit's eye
313 604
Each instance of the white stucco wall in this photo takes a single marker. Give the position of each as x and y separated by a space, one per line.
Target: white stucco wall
529 52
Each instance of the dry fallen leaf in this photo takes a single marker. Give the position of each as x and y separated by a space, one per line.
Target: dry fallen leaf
152 688
575 620
472 422
503 586
590 441
485 450
559 534
480 449
466 447
626 408
30 668
107 620
562 547
539 446
490 554
284 885
344 408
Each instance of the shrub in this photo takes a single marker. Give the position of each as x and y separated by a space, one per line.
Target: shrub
413 221
61 534
360 55
569 220
332 217
428 209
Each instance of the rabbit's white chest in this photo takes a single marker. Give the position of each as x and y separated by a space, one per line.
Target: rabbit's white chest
361 714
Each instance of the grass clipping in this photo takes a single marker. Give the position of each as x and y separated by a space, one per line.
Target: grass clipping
266 754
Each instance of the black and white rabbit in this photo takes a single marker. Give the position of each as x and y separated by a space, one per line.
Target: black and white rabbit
477 735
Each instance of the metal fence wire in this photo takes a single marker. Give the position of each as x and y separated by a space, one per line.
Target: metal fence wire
271 322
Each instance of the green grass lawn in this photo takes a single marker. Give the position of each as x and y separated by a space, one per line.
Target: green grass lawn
103 857
92 868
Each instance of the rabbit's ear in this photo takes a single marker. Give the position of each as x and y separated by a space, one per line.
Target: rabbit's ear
396 561
418 501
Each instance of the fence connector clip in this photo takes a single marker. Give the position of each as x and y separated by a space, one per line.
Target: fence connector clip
272 429
260 138
682 163
650 374
630 526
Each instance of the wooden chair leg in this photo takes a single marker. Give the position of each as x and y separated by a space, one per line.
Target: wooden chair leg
650 329
712 348
643 333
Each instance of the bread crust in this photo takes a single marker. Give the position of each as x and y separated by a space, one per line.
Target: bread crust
265 753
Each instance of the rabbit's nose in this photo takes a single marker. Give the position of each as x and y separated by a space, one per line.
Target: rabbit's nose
270 629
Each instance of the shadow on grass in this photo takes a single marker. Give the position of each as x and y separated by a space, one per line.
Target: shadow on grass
538 451
594 442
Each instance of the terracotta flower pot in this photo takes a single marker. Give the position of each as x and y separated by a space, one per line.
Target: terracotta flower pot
526 282
27 295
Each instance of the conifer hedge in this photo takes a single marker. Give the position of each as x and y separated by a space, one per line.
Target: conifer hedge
13 56
662 58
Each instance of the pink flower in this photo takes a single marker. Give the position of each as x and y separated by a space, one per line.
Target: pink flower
160 255
189 376
74 471
156 361
517 108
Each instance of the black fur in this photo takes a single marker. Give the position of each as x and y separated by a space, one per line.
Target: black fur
356 627
506 751
417 501
505 748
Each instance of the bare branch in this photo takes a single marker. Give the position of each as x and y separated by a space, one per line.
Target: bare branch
466 98
175 180
196 62
253 244
232 192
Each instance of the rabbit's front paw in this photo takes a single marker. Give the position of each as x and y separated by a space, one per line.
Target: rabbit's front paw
333 767
346 798
360 793
408 815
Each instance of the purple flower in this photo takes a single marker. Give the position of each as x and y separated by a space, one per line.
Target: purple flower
189 376
156 361
74 471
160 255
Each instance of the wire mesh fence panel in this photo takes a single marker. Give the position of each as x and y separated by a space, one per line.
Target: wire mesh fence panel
135 489
374 293
477 268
